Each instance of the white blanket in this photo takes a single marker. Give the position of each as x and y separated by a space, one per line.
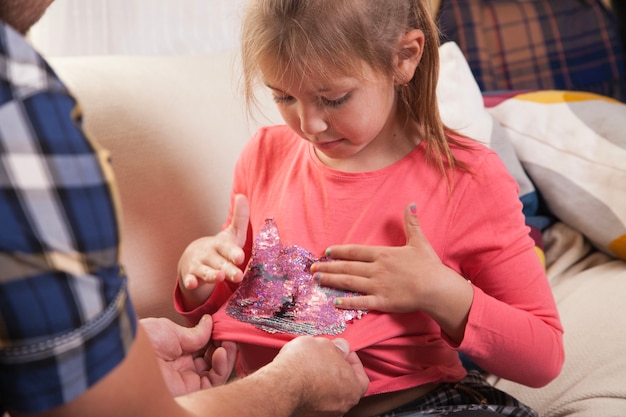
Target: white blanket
590 291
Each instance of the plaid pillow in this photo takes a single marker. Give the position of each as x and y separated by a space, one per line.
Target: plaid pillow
543 44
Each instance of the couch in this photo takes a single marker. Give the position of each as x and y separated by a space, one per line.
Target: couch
175 125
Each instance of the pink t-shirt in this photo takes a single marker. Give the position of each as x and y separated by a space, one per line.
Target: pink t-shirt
477 229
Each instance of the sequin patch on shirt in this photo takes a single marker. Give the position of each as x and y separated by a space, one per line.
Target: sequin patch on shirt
278 293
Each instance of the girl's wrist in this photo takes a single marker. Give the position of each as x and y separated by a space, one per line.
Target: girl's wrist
450 304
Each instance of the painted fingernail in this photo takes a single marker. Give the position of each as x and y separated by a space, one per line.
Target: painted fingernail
337 301
327 253
413 208
318 277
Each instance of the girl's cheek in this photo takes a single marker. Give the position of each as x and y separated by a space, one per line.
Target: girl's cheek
291 119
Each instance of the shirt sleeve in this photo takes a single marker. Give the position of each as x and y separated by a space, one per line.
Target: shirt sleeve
66 319
513 327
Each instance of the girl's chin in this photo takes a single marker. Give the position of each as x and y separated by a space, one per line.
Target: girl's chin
331 154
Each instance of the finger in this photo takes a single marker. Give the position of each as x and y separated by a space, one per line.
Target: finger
190 282
342 345
360 302
354 361
208 274
350 268
228 270
192 339
353 283
222 363
361 253
241 217
359 370
217 266
412 228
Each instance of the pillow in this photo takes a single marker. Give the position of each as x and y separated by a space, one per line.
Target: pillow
462 108
573 147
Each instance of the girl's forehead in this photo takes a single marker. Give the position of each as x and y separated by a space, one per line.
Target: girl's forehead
317 78
309 82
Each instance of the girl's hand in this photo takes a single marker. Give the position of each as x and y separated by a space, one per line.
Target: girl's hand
399 279
212 259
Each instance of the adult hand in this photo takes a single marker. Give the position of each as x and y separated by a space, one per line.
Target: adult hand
400 279
327 378
186 363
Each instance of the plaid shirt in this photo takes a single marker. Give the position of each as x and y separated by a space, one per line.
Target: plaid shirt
65 315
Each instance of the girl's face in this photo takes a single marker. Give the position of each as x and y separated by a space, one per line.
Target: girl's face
351 122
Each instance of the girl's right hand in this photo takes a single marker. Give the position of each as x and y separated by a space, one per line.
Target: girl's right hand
209 260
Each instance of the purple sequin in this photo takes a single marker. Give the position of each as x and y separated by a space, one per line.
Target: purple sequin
278 293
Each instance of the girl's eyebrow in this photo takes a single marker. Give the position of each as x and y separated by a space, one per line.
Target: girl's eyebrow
320 90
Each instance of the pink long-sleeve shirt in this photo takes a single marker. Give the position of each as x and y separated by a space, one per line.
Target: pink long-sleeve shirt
477 229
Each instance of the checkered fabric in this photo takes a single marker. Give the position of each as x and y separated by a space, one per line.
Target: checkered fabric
540 44
65 316
473 396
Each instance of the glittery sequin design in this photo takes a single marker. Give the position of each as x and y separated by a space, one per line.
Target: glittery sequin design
278 294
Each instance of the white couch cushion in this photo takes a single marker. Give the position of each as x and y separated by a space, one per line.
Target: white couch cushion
174 127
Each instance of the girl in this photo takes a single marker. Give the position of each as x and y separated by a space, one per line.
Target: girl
362 157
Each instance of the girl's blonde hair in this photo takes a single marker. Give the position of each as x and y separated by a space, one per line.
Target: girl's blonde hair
325 38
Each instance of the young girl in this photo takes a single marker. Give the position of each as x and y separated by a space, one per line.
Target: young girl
362 157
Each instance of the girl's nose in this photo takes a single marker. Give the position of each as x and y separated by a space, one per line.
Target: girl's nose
312 120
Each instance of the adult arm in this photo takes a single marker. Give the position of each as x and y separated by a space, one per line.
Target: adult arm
309 377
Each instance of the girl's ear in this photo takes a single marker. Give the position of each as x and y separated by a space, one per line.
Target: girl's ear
410 49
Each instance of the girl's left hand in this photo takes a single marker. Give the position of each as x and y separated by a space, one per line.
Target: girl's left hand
395 279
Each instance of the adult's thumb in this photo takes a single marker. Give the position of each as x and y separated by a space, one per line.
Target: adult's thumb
195 338
342 345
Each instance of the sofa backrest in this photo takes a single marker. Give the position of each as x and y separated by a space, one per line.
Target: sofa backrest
174 127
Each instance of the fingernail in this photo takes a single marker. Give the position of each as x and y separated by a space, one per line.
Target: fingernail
342 345
313 268
413 208
337 301
187 281
318 277
327 253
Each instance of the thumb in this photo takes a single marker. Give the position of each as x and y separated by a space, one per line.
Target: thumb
342 345
195 338
412 227
241 217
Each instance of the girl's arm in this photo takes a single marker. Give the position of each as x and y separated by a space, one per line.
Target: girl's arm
210 260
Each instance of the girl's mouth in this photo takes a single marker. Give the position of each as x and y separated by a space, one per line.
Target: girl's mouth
328 146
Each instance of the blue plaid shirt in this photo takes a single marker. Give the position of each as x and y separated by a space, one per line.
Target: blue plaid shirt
65 316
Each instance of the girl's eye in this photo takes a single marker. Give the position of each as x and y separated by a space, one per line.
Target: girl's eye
335 102
282 99
285 99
